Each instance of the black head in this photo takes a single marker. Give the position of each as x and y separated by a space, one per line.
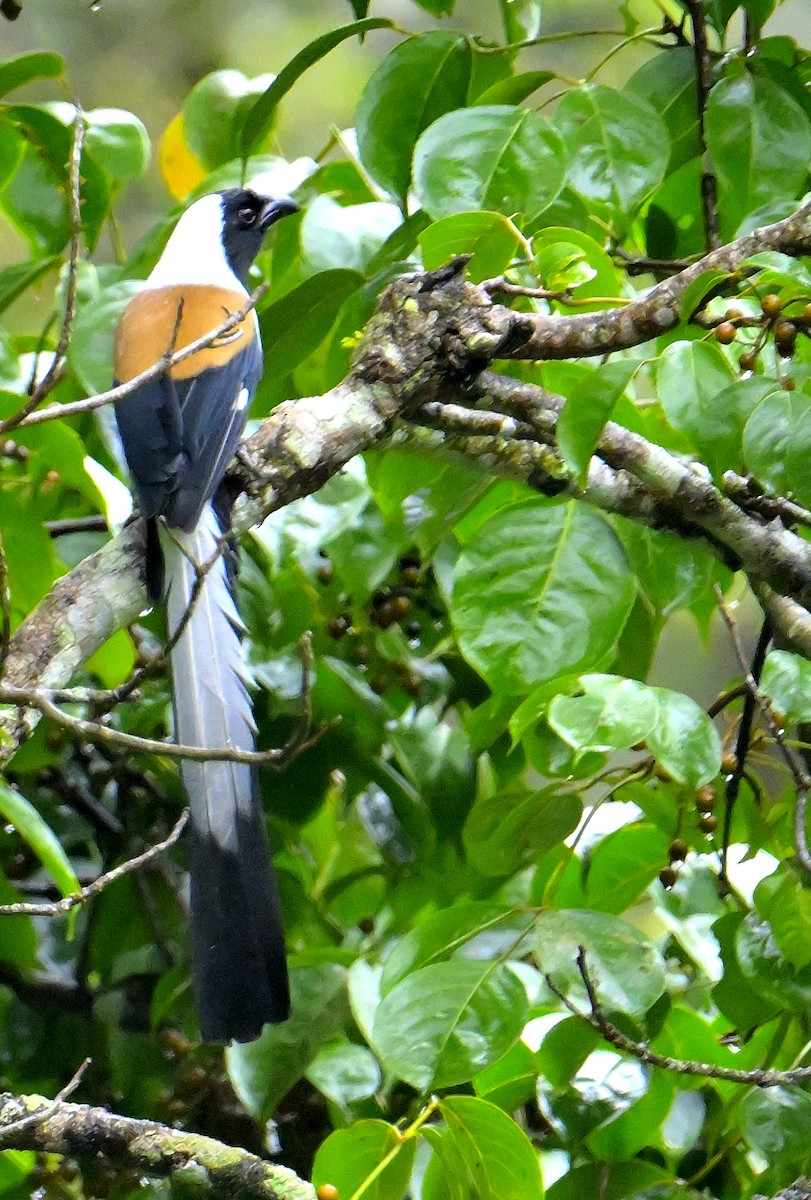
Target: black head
246 218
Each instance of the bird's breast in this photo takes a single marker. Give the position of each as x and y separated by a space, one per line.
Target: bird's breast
162 320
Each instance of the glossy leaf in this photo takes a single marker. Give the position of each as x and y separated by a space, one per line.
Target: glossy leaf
626 971
19 71
506 831
447 1021
498 158
119 142
759 140
777 443
259 118
508 608
786 680
439 936
264 1070
490 239
587 409
418 81
622 866
335 236
667 82
484 1148
617 147
778 1122
349 1157
15 809
295 325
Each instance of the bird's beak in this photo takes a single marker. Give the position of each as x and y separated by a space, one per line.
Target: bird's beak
273 210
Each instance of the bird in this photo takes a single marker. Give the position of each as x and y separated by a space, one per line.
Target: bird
179 432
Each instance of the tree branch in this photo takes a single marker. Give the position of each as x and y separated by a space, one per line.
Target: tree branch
79 1131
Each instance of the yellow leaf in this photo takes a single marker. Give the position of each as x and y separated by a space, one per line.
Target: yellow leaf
180 168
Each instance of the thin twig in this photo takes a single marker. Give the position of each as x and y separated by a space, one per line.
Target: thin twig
40 389
704 82
802 782
743 740
5 610
49 1108
597 1019
58 907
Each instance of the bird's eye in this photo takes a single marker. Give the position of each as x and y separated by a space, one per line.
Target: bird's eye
247 217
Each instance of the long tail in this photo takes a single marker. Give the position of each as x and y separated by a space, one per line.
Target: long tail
237 940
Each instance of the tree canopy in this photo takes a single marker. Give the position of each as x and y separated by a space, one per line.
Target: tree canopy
536 404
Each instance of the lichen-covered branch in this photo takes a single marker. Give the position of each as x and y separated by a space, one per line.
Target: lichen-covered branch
209 1167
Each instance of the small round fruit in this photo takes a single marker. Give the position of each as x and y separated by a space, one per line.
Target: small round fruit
337 627
667 877
771 305
785 337
327 1191
708 823
747 362
725 333
378 684
678 850
705 798
324 575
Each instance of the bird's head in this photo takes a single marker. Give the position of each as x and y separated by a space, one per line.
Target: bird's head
218 237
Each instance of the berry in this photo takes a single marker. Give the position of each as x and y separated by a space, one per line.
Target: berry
747 362
771 305
401 607
378 684
708 823
678 850
337 627
324 575
667 877
725 333
327 1191
705 798
785 336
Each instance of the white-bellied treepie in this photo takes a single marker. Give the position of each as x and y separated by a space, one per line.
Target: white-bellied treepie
179 433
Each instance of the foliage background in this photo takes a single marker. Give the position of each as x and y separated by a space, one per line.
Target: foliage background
424 842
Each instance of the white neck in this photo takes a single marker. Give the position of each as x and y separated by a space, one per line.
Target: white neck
194 253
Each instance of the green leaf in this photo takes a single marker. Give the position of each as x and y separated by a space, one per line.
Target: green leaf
90 352
487 1152
39 836
612 713
440 936
684 742
637 1126
617 148
588 407
294 326
521 19
350 1156
502 159
336 235
777 443
490 239
786 680
777 1122
213 111
419 80
22 70
119 143
766 969
512 605
690 376
667 82
585 266
35 198
625 969
622 865
759 141
258 121
505 832
345 1073
515 88
17 279
443 1023
785 903
734 995
261 1072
